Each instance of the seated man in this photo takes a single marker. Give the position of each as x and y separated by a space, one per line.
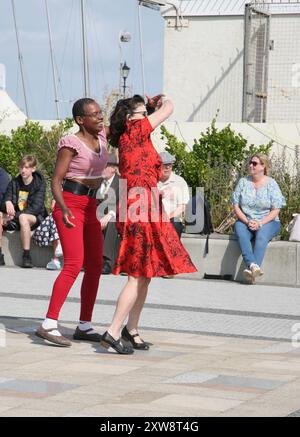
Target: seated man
108 220
23 204
175 192
4 181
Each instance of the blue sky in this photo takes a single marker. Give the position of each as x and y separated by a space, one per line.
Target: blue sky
105 19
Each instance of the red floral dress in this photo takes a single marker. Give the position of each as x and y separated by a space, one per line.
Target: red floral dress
149 245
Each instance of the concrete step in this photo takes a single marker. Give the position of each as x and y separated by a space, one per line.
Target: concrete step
12 250
280 266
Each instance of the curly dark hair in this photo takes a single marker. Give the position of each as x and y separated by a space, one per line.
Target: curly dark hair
123 108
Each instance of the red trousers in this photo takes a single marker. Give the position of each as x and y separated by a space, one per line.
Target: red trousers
82 246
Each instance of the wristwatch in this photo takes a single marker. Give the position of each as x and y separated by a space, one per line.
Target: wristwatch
260 224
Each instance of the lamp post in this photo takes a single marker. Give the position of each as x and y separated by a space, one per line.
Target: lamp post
124 72
124 37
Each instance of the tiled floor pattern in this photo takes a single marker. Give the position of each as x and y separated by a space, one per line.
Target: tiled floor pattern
182 375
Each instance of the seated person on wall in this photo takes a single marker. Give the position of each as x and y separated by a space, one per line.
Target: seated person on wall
4 181
23 204
111 241
256 200
175 192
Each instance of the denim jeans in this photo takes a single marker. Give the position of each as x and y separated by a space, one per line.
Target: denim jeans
262 237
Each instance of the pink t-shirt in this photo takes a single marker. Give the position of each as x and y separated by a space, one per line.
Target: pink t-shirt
86 164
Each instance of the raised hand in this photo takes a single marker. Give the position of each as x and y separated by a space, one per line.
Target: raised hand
155 101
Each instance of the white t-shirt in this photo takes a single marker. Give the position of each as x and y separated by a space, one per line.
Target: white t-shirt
177 192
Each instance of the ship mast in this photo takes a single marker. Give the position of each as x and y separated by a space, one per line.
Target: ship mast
53 63
20 57
84 51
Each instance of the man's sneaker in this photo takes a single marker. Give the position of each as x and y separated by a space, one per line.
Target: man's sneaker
54 264
256 271
248 275
58 251
2 262
26 262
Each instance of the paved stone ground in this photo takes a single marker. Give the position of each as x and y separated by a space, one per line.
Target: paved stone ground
219 349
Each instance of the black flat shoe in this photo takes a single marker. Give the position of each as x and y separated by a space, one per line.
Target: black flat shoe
84 335
128 337
117 345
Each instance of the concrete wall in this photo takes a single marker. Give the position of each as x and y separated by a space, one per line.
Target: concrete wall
12 250
284 69
6 125
281 264
203 68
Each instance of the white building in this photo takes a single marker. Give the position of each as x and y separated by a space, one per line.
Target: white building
209 65
11 115
8 109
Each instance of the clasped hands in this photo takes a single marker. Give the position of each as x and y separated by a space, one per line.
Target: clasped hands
253 225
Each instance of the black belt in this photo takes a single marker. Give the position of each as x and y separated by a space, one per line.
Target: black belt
78 188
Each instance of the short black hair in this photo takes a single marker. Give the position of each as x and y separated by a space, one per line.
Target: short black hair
78 107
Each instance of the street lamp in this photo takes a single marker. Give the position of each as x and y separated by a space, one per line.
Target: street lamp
124 72
157 4
124 37
152 4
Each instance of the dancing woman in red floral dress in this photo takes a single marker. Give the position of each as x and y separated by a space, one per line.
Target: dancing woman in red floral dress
150 246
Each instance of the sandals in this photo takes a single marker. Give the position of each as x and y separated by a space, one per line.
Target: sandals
117 345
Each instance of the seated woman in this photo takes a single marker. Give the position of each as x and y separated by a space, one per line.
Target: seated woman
256 200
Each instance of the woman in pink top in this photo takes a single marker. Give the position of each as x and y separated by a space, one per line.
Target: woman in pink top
80 161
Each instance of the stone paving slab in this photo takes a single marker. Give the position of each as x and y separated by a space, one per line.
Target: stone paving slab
184 305
216 295
176 319
219 349
184 382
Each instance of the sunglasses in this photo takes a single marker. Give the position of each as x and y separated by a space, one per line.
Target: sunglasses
254 163
93 114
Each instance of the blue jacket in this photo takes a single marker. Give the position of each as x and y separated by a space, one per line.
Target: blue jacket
4 181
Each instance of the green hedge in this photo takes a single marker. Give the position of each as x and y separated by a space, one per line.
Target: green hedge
33 139
218 159
215 161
